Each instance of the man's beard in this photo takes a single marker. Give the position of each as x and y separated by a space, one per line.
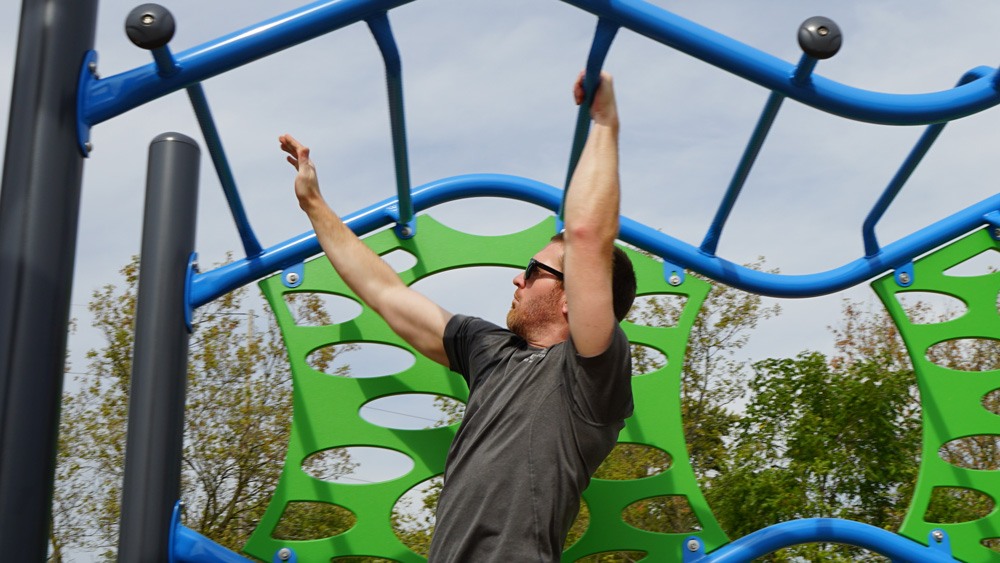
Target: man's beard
529 317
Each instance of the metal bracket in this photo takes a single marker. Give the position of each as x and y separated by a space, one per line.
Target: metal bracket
993 218
904 275
692 550
192 269
938 540
673 273
88 75
293 275
175 522
285 555
402 230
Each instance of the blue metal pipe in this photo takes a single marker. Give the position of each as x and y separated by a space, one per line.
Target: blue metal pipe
775 74
379 26
220 281
189 546
604 35
117 94
821 530
905 170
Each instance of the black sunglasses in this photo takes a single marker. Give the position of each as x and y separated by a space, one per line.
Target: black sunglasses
533 265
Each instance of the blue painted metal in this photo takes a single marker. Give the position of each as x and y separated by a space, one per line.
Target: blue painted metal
993 220
192 269
292 276
689 555
821 530
711 241
220 281
289 556
905 170
904 275
673 273
117 94
87 77
188 546
604 35
379 26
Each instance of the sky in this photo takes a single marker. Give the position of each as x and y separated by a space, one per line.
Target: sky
488 90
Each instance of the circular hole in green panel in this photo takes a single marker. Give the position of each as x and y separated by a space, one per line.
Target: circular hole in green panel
646 359
399 260
926 307
321 309
413 411
613 556
579 526
364 359
951 505
633 461
413 515
966 354
991 401
668 514
986 262
980 452
477 291
311 520
991 543
660 310
357 464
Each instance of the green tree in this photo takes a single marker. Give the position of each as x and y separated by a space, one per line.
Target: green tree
237 420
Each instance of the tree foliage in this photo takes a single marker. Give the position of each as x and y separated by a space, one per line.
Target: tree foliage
237 420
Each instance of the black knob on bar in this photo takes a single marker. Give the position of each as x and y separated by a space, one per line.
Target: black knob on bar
819 37
150 26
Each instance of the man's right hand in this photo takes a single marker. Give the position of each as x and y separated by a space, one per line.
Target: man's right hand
603 109
306 181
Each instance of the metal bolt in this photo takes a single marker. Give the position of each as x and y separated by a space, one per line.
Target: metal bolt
406 231
904 278
284 554
292 278
938 535
88 146
148 19
92 67
822 31
996 232
693 545
674 280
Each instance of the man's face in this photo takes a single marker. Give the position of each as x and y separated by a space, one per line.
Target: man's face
539 300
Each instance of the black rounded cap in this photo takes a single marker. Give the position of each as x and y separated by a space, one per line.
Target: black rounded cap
150 26
819 37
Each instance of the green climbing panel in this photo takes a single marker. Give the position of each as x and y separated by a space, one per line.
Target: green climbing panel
951 400
326 409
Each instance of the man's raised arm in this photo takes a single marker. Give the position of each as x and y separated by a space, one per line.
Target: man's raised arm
591 216
412 316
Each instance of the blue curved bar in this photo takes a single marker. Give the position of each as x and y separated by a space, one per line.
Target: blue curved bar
816 530
220 281
117 94
188 546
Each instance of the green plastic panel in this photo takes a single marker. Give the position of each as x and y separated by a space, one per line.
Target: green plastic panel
326 409
951 400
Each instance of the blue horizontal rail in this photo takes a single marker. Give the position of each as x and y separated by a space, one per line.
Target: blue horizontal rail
107 97
218 282
828 530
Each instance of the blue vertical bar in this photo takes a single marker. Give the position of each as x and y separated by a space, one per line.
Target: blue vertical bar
603 37
379 26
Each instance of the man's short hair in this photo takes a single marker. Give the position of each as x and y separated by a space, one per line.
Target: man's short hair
622 280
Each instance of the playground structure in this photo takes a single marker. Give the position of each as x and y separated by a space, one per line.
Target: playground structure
55 76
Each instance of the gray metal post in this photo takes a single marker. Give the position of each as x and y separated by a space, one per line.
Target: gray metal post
159 362
39 212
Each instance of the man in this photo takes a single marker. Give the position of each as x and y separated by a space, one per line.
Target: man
549 396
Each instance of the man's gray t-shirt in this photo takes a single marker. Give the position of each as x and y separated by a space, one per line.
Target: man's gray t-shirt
537 425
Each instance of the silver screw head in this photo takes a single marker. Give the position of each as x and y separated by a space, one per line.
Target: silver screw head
904 278
284 554
89 146
938 535
147 19
674 280
823 31
693 545
996 232
92 67
292 277
406 231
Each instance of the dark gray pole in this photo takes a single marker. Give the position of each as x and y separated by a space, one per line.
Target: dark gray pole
159 362
39 211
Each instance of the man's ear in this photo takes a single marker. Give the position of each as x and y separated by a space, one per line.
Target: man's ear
565 305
